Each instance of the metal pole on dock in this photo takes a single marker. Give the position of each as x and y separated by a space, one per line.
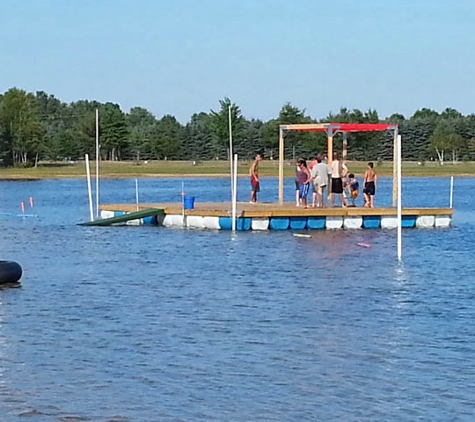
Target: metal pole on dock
183 202
451 201
234 193
137 193
399 200
89 190
231 149
97 162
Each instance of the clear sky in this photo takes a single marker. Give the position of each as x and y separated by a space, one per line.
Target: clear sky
179 57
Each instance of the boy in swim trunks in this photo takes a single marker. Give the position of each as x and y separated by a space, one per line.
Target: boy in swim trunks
304 181
370 180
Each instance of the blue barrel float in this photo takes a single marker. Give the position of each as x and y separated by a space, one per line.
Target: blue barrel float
298 223
279 223
242 223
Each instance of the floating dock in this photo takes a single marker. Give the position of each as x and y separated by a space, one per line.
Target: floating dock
274 216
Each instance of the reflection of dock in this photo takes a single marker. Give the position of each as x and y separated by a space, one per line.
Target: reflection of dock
274 216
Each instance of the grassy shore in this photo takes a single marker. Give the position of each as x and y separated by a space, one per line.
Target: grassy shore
216 169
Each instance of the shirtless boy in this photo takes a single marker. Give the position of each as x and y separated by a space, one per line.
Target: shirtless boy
370 180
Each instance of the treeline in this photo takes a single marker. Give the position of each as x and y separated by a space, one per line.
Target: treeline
38 126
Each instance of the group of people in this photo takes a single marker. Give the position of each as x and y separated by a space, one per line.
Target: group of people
319 175
336 177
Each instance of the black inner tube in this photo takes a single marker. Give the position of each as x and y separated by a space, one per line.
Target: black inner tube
10 272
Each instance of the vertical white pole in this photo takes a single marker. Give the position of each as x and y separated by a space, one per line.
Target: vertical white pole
137 193
183 202
451 202
231 149
399 199
235 192
89 191
97 162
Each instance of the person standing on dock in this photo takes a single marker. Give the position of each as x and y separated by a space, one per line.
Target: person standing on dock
254 173
370 180
297 186
339 170
320 174
304 179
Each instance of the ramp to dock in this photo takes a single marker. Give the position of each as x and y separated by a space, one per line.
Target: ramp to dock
149 212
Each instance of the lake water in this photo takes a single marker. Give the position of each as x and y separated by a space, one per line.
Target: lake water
155 324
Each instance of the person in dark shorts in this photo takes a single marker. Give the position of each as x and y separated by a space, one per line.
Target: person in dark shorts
370 180
339 170
254 173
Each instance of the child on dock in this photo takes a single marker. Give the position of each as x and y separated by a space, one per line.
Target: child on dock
352 188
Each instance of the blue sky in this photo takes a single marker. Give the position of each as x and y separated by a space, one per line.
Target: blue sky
182 56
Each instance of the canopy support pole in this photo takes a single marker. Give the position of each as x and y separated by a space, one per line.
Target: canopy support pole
329 145
281 166
344 154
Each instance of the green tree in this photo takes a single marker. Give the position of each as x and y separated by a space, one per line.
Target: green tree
219 125
113 131
166 138
446 138
22 133
140 123
198 138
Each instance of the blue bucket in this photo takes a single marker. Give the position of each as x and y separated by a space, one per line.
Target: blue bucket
189 202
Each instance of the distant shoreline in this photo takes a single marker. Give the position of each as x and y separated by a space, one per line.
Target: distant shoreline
216 169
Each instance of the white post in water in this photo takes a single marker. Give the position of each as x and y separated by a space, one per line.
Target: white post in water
183 202
234 193
97 162
399 199
451 202
231 149
89 191
137 193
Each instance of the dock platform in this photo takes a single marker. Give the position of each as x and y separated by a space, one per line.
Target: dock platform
274 216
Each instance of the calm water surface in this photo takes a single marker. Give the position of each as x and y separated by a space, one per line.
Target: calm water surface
151 324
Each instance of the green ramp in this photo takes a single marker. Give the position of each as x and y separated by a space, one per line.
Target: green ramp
149 212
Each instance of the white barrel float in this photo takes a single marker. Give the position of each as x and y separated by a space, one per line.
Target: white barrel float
425 221
353 222
260 224
334 222
443 221
136 222
211 223
195 222
107 214
173 220
388 222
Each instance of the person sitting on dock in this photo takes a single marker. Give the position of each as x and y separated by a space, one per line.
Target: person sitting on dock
304 179
370 180
254 173
320 173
